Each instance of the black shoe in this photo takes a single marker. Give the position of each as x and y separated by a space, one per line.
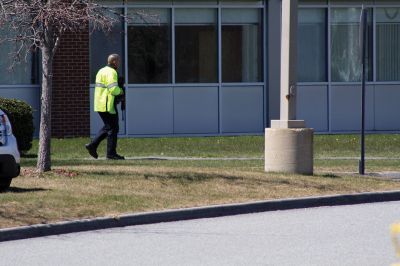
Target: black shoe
92 151
115 157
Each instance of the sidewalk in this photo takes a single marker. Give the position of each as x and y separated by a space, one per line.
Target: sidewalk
171 158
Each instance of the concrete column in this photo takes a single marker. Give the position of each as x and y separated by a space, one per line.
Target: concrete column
288 59
288 144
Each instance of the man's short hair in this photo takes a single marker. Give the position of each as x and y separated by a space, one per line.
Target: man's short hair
112 57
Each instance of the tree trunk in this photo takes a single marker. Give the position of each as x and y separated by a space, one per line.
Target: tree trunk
44 159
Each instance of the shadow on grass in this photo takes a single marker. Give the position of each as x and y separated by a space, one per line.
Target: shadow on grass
30 156
194 177
333 176
24 190
186 176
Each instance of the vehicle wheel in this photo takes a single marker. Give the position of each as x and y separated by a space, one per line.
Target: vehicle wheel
5 183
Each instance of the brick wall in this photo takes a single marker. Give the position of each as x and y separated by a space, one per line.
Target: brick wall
71 106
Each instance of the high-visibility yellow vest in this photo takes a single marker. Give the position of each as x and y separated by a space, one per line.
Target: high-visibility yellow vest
106 89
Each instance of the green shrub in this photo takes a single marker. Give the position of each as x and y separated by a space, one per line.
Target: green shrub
21 118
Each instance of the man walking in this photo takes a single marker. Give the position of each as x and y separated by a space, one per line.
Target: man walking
104 104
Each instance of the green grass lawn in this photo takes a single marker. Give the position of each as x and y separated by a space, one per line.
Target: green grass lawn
80 187
243 146
182 147
376 145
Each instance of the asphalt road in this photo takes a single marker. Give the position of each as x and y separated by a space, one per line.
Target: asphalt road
345 235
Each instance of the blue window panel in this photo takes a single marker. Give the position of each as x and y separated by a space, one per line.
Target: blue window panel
242 109
196 110
387 107
345 108
150 111
312 106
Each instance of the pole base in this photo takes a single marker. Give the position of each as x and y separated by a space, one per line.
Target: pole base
289 150
288 124
361 167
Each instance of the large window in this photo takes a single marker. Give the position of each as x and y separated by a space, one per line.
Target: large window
388 44
14 71
241 45
312 45
149 46
20 72
179 43
103 44
345 57
196 46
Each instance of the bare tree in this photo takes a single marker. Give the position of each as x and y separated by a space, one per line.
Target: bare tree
40 24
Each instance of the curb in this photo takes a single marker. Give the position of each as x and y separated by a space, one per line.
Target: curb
192 213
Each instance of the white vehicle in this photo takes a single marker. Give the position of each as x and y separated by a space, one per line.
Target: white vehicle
9 154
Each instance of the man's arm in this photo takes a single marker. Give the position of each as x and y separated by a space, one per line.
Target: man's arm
115 89
121 98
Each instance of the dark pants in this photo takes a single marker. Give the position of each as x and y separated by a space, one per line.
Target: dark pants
109 130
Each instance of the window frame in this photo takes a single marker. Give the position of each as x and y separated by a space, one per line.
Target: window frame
169 30
218 7
326 41
373 7
260 45
216 26
376 80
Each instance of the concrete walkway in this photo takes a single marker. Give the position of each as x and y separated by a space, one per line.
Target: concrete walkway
172 158
356 158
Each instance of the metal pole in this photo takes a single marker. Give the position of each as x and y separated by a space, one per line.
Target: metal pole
363 25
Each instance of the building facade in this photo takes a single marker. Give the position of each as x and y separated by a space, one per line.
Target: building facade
211 67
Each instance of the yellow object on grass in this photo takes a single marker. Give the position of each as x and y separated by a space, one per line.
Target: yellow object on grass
395 231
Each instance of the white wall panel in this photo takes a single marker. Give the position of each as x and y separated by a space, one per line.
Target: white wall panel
387 107
312 106
345 108
149 110
242 109
196 110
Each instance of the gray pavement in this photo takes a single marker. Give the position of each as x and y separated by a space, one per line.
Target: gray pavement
341 235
